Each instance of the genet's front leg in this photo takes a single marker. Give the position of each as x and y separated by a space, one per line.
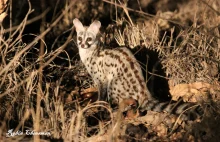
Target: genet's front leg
102 92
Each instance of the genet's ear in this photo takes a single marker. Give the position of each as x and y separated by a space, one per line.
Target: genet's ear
94 27
78 25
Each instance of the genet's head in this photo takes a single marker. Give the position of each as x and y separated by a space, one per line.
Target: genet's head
86 36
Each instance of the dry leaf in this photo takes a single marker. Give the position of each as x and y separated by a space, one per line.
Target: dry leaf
89 90
190 92
2 16
3 5
161 130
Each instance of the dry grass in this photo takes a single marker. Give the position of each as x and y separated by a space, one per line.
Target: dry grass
29 102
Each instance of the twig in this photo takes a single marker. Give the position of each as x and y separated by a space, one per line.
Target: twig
210 7
19 54
40 79
29 21
180 117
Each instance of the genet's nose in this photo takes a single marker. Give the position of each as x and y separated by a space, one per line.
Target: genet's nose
82 45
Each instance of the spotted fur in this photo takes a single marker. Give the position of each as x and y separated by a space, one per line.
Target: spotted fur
116 72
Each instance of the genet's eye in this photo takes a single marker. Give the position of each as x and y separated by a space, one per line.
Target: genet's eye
80 38
89 39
